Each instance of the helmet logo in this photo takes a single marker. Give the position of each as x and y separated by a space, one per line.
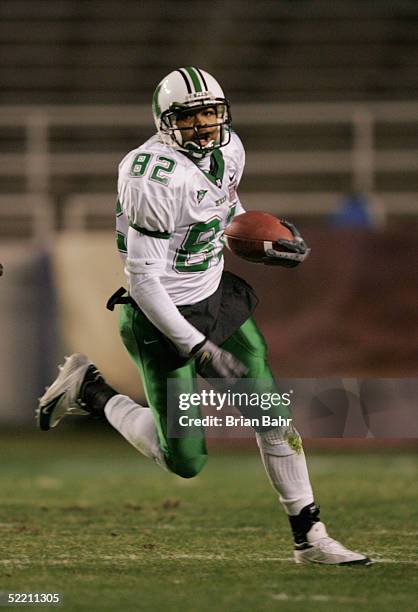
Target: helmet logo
198 95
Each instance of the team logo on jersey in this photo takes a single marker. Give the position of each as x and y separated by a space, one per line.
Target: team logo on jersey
201 194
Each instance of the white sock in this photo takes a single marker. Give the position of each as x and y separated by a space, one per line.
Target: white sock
136 424
286 468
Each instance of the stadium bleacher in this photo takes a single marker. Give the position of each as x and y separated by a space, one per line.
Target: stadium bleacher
71 55
106 52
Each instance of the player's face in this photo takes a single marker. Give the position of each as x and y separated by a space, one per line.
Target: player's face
200 126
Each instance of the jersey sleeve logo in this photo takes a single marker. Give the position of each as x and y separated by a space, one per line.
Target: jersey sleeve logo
232 187
232 192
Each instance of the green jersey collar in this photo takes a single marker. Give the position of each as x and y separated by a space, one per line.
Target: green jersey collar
217 166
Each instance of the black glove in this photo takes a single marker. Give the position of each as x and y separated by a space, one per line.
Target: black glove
214 362
287 253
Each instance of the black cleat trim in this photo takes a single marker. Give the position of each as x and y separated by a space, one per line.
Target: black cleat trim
45 413
365 561
302 546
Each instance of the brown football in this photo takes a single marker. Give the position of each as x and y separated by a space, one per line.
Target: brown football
250 234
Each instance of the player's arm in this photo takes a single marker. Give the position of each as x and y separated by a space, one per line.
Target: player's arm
146 261
289 253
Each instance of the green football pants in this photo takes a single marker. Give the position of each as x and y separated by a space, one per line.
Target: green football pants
186 456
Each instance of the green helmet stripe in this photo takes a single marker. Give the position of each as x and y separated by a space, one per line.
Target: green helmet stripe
155 103
195 78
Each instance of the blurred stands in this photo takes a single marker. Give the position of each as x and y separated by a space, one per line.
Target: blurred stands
100 51
58 164
77 79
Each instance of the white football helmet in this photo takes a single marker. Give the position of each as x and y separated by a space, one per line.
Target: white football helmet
184 90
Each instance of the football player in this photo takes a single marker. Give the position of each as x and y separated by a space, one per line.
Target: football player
183 314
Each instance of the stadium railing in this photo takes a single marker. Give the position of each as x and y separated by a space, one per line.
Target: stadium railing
36 164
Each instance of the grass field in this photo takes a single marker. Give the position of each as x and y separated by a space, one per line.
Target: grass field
83 514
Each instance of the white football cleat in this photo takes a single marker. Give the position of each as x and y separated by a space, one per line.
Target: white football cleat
63 397
320 548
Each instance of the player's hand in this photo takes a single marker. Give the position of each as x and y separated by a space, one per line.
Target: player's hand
214 362
288 253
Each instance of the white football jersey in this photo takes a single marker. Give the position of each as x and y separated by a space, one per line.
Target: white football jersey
165 194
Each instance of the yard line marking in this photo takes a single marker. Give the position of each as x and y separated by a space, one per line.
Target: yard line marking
318 598
407 534
233 529
145 556
394 561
